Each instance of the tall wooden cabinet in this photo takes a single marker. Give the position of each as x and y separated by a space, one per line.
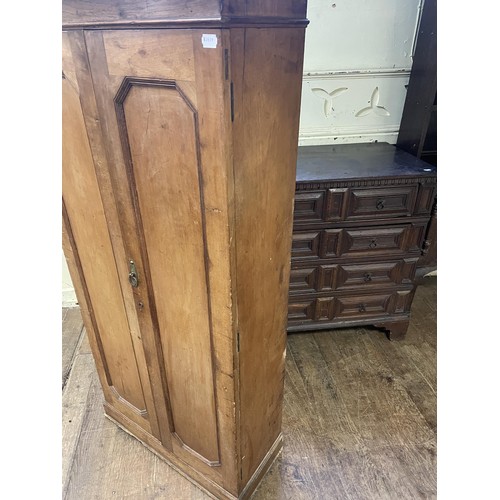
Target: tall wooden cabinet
180 125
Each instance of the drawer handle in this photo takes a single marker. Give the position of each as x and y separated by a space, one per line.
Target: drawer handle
367 277
372 244
362 308
380 204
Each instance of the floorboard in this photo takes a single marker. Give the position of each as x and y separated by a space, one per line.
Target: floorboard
72 335
359 421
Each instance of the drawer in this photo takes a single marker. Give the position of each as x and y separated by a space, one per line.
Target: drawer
376 241
368 203
365 241
305 245
320 206
313 278
327 277
376 304
425 200
348 307
378 274
338 204
308 206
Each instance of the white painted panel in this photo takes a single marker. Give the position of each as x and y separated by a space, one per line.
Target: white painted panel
68 291
352 48
360 34
360 107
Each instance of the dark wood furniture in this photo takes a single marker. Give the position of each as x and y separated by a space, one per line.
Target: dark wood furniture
180 127
418 129
361 214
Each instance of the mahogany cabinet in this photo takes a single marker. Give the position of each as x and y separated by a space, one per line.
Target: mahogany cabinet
361 217
180 127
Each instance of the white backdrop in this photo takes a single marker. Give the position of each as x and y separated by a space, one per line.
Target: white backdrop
358 59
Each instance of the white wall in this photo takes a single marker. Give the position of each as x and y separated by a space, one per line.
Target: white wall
358 59
357 62
68 292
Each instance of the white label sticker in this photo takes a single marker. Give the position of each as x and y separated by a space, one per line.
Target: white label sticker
209 41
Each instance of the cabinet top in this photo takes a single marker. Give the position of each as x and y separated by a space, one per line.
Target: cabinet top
356 161
116 14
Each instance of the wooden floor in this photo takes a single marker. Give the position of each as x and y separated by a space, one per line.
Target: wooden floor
359 420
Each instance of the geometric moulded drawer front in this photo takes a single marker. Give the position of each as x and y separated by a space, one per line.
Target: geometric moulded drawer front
347 306
308 206
372 241
390 240
305 245
362 276
301 310
335 204
382 202
357 203
328 277
304 279
396 240
364 305
425 201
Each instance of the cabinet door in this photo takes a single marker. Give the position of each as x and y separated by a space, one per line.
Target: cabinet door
161 103
89 250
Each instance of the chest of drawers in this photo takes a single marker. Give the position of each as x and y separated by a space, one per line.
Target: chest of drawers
360 218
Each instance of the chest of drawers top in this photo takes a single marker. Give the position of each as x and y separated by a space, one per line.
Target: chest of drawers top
370 162
359 184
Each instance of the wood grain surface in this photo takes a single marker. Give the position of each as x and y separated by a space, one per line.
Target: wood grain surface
72 318
177 12
162 175
266 121
178 105
359 422
78 56
83 204
163 135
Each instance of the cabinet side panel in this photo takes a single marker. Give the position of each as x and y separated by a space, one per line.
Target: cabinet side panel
265 136
86 215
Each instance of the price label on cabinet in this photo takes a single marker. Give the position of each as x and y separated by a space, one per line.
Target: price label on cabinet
209 41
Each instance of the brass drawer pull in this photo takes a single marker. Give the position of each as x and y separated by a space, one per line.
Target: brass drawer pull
380 204
362 308
367 277
372 244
